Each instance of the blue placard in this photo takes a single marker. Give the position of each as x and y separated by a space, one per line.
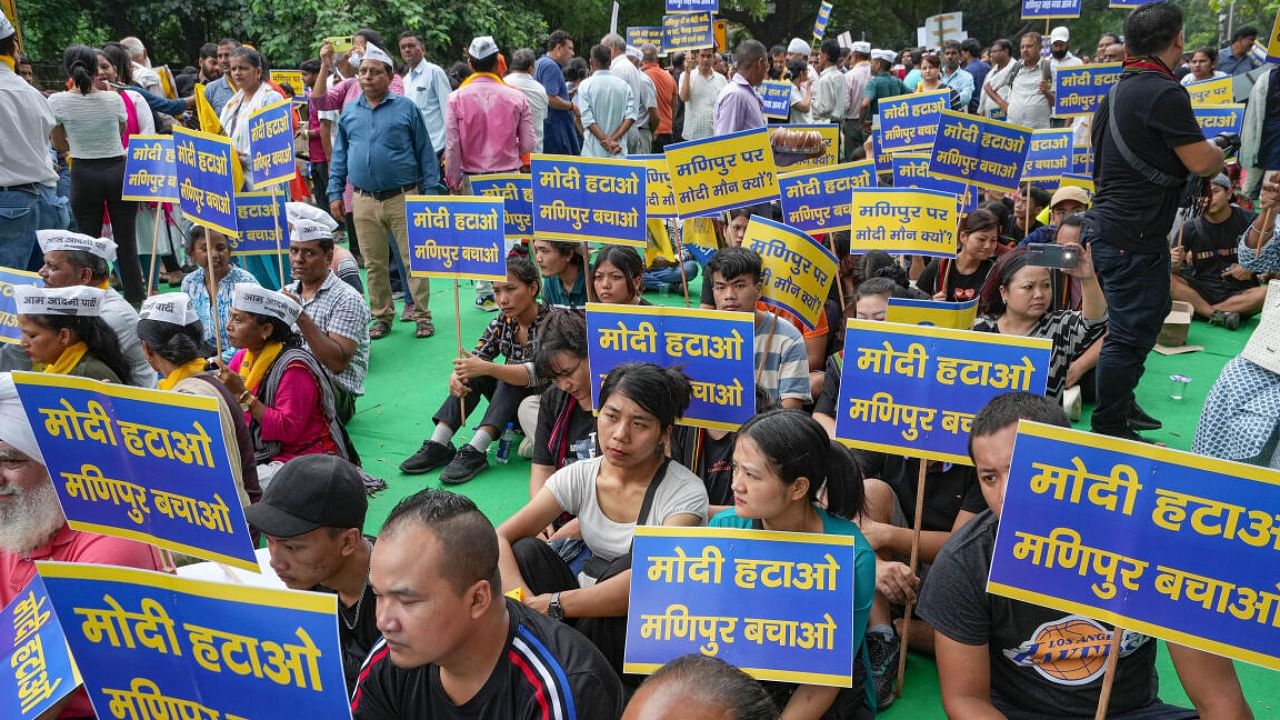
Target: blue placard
645 35
516 192
685 7
1162 542
911 170
39 670
1216 119
200 649
263 231
910 122
776 96
687 32
146 465
271 145
150 169
820 23
456 237
206 179
591 199
1078 90
714 348
913 390
777 605
1050 9
883 160
979 151
818 200
1082 159
9 277
1049 157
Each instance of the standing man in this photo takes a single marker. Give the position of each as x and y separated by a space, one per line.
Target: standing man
995 88
209 68
1060 54
699 89
604 102
560 133
882 85
219 92
830 93
620 66
1030 97
665 87
426 85
648 105
142 72
954 76
971 54
521 78
1144 154
1235 59
856 81
1105 40
739 107
383 148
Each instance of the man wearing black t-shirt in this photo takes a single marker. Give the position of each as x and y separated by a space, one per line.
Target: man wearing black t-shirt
1003 658
312 516
1139 173
453 646
1211 278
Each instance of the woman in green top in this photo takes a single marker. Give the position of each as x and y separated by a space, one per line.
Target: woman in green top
80 344
784 466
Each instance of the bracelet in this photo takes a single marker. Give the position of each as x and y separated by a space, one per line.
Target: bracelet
243 395
1254 228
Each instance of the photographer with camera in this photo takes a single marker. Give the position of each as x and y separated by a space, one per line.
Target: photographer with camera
1150 158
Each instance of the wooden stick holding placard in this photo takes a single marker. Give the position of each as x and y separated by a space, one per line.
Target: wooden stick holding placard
915 557
839 284
677 244
155 238
211 287
586 274
457 333
1026 207
1109 674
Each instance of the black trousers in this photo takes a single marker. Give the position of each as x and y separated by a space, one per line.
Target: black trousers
320 183
504 401
95 185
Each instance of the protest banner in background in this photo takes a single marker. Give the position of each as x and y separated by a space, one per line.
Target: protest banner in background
699 236
979 151
796 270
1127 4
645 35
588 199
911 170
208 173
1049 157
687 7
882 159
820 23
1166 543
150 169
456 237
919 222
1076 180
11 11
271 145
715 349
1217 91
777 605
1082 159
146 640
776 96
9 277
818 200
681 33
660 202
1078 90
913 390
34 648
723 172
932 313
820 145
146 465
1050 9
292 79
516 191
263 230
1216 119
910 122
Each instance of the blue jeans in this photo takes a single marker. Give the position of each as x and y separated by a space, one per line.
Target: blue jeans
670 275
22 213
1137 289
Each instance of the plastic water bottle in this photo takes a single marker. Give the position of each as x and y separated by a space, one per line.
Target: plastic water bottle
505 442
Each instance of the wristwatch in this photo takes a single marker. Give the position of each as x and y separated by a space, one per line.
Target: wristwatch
554 611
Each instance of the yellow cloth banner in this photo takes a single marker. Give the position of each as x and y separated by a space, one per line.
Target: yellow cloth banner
715 174
920 222
207 118
699 233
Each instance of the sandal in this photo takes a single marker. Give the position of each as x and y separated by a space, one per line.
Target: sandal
425 329
380 329
407 315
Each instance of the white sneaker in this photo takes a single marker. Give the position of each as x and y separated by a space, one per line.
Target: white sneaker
1071 402
526 448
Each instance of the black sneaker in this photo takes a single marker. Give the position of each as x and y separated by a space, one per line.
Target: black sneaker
1228 320
1140 420
884 652
429 457
1124 433
468 463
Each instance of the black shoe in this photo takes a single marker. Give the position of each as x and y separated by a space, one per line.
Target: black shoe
1140 420
884 653
429 457
1124 433
1228 320
468 463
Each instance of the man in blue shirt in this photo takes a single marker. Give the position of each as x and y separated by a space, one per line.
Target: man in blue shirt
1235 59
560 134
971 55
954 76
426 85
383 149
220 91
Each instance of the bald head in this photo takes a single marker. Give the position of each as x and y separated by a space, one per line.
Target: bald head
696 687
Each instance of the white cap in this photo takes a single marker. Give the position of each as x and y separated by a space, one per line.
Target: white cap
61 240
79 300
886 55
861 46
482 47
15 428
799 46
6 29
307 231
252 298
306 212
634 52
1060 34
173 308
373 52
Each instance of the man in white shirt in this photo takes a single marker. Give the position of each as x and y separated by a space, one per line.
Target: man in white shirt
997 82
621 67
142 72
426 85
830 94
1059 52
604 102
648 104
1030 84
521 78
699 88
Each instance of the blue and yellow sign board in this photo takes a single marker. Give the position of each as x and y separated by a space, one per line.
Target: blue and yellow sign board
34 648
150 169
1077 180
932 313
685 7
820 23
1050 9
1082 159
292 79
715 349
913 390
910 122
588 199
797 271
207 167
9 277
1217 91
1216 119
639 36
1079 90
660 202
456 237
777 605
979 151
911 170
776 95
919 222
154 645
271 145
1049 157
818 200
145 465
516 191
723 172
681 33
1173 545
263 229
791 162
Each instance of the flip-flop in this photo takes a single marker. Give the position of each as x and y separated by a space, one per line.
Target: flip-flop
380 329
425 329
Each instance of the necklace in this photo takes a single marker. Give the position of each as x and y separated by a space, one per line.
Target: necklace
359 602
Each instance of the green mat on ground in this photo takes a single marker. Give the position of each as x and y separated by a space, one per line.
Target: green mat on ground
407 384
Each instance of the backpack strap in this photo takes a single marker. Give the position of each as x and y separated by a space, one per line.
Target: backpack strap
1151 174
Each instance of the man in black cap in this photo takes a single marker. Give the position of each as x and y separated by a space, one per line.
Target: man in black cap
312 515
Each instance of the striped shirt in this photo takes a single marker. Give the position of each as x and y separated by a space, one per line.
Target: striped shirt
780 347
1071 335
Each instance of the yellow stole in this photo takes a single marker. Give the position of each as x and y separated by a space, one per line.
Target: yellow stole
254 366
69 358
180 373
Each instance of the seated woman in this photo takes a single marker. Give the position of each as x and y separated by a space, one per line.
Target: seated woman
80 344
173 341
789 476
632 483
203 247
1016 300
959 280
285 394
562 266
618 276
708 454
560 421
513 334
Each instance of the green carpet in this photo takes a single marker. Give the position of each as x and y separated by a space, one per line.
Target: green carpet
407 383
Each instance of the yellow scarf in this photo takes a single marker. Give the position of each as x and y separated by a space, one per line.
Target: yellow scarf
253 367
7 60
69 358
180 373
103 285
475 75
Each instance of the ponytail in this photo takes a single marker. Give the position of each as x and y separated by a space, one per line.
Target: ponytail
796 446
845 494
81 64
